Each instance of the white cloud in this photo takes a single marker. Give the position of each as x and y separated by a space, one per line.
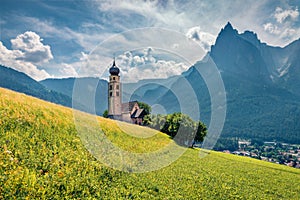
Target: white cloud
71 69
87 38
283 27
147 66
290 33
204 39
154 12
11 58
83 56
27 53
283 15
131 50
32 48
274 24
67 70
271 28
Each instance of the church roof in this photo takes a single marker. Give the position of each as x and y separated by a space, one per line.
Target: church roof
128 106
114 70
138 113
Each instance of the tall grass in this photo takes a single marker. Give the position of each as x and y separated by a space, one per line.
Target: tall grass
43 157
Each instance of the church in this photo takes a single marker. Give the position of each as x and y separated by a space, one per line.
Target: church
128 111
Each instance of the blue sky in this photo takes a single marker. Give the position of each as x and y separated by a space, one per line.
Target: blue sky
51 38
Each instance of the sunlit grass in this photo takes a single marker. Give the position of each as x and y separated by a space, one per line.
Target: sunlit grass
133 138
43 157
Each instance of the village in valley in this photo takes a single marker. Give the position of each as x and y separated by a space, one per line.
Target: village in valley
276 152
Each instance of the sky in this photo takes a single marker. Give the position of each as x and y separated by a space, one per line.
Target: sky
149 39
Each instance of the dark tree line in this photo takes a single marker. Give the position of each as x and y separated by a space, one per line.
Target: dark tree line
183 129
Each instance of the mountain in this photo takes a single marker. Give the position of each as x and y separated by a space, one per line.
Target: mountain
261 82
20 82
261 101
88 91
44 155
290 70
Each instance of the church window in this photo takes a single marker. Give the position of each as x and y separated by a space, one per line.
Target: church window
110 87
117 94
117 87
114 78
110 94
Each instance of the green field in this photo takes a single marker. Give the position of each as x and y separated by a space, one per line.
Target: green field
42 157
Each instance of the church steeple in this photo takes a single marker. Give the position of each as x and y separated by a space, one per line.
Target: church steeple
114 70
114 93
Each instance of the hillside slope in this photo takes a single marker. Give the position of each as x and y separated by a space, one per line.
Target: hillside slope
20 82
41 156
261 82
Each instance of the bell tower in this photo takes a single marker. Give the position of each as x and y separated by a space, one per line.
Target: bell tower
114 93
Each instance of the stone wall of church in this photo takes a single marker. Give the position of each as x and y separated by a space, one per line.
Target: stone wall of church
126 117
114 95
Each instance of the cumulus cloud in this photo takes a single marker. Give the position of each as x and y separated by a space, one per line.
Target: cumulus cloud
282 15
27 52
282 32
30 44
135 67
283 24
11 58
67 70
204 39
271 28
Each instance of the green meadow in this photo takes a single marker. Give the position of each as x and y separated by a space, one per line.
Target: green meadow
42 156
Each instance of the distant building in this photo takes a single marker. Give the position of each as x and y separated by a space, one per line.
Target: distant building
129 111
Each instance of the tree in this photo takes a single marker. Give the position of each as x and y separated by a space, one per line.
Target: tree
146 107
180 127
201 132
147 121
230 144
105 114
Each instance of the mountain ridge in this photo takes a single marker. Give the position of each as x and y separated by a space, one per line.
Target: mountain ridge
20 82
262 87
257 97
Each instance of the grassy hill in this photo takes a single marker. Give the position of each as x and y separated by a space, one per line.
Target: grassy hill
20 82
42 156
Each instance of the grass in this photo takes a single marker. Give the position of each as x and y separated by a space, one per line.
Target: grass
42 156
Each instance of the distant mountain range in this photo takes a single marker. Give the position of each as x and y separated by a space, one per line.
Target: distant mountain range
262 86
88 86
20 82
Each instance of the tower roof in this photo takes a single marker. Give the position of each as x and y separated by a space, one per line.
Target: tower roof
114 70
